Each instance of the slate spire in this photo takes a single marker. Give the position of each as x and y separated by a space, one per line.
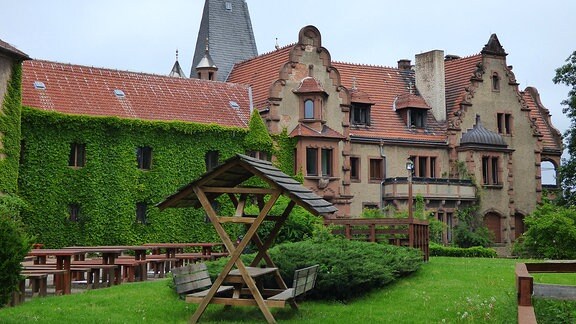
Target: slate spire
177 71
228 27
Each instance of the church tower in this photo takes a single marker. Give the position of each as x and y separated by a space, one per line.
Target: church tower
226 24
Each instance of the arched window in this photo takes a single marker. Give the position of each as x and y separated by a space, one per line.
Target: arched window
308 109
495 82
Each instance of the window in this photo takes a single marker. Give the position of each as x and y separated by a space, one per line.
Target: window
311 161
490 170
74 212
417 118
355 168
360 115
424 166
504 122
77 156
141 208
495 82
376 172
259 155
211 160
326 160
309 109
144 157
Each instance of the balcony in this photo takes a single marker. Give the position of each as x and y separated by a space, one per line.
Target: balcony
432 189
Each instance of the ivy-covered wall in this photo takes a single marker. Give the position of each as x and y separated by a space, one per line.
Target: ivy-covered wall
110 184
10 132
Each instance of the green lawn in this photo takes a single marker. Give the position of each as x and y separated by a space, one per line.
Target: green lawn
443 290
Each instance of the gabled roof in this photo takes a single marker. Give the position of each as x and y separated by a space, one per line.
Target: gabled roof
83 90
410 100
12 51
240 168
304 131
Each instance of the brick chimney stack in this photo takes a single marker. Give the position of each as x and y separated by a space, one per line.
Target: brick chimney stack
429 74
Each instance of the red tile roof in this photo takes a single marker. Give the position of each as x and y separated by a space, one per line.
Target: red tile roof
260 73
410 100
83 90
457 75
551 137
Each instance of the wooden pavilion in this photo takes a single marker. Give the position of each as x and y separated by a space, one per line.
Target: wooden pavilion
228 179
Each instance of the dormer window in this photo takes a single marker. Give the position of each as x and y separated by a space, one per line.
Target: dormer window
309 109
417 118
360 114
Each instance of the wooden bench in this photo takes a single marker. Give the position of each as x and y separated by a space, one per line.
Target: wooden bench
304 280
160 264
194 280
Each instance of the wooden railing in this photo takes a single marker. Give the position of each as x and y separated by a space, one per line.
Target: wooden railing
398 231
526 288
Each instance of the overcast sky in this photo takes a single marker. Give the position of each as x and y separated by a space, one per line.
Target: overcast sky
143 35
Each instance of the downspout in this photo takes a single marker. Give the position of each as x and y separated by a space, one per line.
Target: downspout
384 175
250 99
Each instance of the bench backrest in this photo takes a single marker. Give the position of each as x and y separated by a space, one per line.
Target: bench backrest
304 279
192 277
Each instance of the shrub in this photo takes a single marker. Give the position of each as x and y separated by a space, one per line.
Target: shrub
14 245
551 233
471 230
347 268
472 252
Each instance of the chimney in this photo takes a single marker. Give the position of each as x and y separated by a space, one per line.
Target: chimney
429 73
404 64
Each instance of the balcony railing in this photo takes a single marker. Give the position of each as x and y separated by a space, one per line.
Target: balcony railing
429 188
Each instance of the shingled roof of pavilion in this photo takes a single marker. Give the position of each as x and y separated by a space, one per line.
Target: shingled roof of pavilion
234 171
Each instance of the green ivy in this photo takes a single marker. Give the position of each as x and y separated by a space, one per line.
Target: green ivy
284 152
110 184
10 130
258 139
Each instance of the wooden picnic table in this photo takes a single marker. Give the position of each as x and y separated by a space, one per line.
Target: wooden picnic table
172 248
108 254
63 282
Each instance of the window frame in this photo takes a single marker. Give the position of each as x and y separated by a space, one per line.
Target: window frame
144 157
362 111
141 211
211 159
312 161
74 212
424 166
375 169
355 166
77 156
491 171
504 122
309 110
415 114
327 162
495 82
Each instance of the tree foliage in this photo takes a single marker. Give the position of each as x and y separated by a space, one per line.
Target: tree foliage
551 233
566 74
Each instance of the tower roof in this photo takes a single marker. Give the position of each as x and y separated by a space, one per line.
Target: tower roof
227 24
177 71
479 135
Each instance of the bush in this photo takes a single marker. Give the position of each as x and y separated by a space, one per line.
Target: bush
551 233
471 230
14 245
472 252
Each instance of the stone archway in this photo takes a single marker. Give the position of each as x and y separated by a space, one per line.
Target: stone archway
493 222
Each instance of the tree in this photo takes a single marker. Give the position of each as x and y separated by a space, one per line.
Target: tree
566 74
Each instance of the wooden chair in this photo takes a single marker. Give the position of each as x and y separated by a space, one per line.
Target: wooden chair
304 280
194 280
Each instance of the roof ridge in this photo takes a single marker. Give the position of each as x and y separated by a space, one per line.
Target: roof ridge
265 54
365 64
34 61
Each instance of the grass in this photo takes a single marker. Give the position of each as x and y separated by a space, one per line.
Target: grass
447 290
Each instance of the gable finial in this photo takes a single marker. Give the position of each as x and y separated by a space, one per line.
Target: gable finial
176 55
277 47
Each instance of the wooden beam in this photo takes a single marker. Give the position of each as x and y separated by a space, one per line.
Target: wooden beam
239 190
236 219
